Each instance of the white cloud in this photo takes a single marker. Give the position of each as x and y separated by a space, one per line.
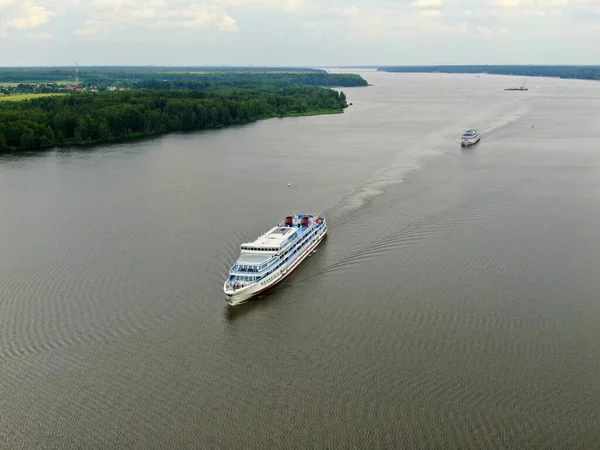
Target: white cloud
226 23
124 15
521 3
102 5
536 8
295 5
30 15
357 30
287 6
427 3
510 3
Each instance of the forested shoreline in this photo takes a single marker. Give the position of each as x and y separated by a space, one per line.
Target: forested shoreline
87 118
101 105
568 72
136 78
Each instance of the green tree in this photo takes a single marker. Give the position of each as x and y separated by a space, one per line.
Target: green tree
77 136
3 145
27 140
103 130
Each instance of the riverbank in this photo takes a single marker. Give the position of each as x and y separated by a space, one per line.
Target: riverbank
108 117
566 72
141 136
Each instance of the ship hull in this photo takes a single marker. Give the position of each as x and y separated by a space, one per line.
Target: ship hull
247 293
470 142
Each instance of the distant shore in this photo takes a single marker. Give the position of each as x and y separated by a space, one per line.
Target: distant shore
141 136
564 72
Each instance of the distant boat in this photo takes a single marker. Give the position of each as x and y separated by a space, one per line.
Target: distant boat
470 137
522 88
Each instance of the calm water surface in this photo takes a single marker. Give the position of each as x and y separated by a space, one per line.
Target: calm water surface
455 304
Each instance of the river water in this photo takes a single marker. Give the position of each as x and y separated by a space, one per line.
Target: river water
455 303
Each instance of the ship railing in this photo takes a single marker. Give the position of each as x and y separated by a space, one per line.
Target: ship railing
256 271
236 285
250 270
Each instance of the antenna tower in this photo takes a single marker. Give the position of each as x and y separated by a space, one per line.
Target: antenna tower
76 72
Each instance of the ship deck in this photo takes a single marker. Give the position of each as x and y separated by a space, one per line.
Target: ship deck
278 236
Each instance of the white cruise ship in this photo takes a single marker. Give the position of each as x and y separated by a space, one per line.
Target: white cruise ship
273 256
470 137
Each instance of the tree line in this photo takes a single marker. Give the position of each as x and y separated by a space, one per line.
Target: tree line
101 117
572 72
48 74
143 78
249 80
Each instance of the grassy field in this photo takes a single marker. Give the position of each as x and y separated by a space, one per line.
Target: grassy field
20 97
60 83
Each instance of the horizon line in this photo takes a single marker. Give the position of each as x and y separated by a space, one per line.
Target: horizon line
300 66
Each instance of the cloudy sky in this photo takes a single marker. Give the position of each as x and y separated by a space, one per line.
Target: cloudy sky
298 32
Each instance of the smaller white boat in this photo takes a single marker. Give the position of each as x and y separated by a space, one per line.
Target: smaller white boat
470 137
